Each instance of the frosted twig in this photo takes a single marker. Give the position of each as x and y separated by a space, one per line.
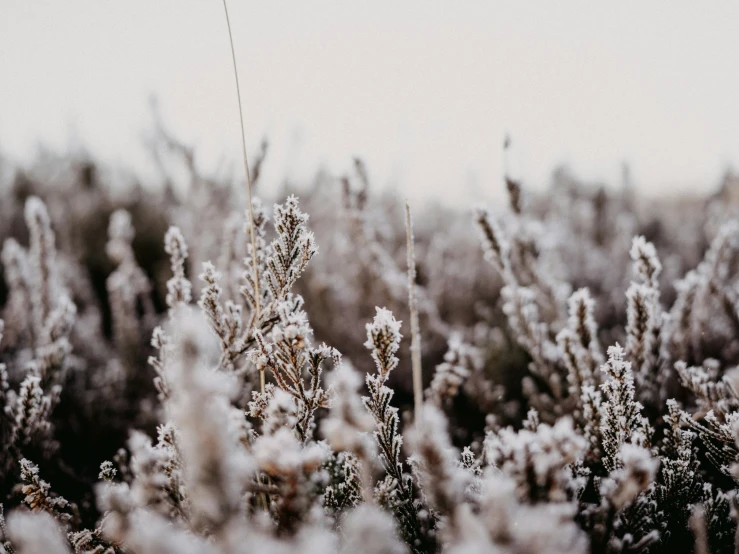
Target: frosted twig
413 305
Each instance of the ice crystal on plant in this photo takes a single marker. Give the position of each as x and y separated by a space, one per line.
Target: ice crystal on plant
621 420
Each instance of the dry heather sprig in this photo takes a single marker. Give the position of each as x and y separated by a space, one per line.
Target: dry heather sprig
17 278
642 322
580 351
711 391
495 244
291 250
179 288
383 341
42 250
30 413
26 423
621 420
460 362
225 320
163 344
289 355
38 497
582 323
128 286
396 491
647 266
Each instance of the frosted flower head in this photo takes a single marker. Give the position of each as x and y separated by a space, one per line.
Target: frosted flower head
293 327
37 217
174 244
259 213
647 266
210 275
383 339
291 250
289 213
107 471
494 243
581 306
179 289
616 367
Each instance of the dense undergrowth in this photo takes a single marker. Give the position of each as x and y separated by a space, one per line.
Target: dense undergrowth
579 350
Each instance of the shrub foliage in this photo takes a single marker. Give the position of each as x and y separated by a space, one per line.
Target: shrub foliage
160 395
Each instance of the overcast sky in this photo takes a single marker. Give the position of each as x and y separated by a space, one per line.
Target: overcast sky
424 90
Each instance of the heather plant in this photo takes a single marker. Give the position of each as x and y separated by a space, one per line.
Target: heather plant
234 389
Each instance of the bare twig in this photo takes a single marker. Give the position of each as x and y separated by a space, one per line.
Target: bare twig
413 305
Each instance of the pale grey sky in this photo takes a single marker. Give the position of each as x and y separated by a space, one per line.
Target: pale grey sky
424 90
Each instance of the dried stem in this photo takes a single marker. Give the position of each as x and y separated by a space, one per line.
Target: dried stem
248 183
698 526
413 305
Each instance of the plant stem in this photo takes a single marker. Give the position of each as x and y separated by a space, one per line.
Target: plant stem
413 305
252 233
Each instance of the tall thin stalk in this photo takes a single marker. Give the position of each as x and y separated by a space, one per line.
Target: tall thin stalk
252 232
413 305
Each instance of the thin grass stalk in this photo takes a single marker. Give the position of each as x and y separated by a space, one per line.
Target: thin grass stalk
698 526
252 233
413 305
264 501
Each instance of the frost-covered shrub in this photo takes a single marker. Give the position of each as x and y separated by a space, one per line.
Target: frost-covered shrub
168 386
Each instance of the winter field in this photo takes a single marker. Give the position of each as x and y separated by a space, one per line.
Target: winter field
199 361
173 383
